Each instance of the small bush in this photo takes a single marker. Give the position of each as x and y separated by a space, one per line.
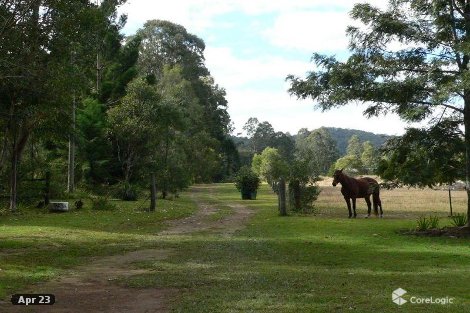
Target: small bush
128 193
459 220
433 222
423 224
102 204
78 204
247 182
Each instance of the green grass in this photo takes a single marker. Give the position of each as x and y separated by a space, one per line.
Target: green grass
322 263
37 246
310 264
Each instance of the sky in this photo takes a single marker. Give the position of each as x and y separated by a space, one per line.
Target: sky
252 45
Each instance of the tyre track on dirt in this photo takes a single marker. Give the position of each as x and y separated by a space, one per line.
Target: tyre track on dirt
92 287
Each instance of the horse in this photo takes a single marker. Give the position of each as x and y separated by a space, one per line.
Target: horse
353 188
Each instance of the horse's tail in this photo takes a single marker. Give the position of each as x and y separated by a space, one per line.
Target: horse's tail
377 201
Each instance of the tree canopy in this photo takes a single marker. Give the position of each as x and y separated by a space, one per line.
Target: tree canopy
426 77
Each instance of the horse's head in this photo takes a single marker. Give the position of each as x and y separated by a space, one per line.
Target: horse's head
337 176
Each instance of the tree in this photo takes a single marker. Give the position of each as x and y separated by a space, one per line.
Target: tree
94 148
369 158
425 157
274 169
353 159
45 59
164 43
270 165
354 147
318 150
132 125
278 171
167 45
250 126
427 74
263 137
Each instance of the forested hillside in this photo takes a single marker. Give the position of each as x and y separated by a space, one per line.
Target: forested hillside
342 136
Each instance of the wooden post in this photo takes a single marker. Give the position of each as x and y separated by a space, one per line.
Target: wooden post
282 197
47 188
14 177
450 201
153 193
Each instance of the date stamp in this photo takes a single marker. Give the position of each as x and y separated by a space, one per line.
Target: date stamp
33 299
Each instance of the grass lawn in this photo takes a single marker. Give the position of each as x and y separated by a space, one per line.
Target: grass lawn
322 263
312 263
38 246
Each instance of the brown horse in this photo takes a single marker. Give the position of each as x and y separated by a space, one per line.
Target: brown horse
353 188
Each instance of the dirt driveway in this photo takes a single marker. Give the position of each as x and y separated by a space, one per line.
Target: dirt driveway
92 287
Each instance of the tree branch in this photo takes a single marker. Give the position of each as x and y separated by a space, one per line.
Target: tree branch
454 33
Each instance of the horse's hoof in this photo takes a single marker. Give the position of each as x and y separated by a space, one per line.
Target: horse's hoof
381 216
368 215
350 216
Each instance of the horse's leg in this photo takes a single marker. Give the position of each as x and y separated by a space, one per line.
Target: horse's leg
349 206
368 205
380 205
354 206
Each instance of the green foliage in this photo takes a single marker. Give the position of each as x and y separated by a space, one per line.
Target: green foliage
173 59
459 220
425 157
342 136
102 203
369 158
423 224
94 148
307 195
246 180
426 75
127 192
270 165
354 147
317 149
433 222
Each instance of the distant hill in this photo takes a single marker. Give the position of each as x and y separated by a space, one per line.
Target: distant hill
342 136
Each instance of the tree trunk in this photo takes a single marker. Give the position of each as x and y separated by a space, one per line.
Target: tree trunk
71 169
466 119
13 178
153 193
282 197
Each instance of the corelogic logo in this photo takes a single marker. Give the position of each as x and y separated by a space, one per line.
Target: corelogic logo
397 296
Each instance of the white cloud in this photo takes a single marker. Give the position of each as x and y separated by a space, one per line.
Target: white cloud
310 31
233 72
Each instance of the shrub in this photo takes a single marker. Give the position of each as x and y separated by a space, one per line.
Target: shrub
433 222
247 182
102 203
423 224
459 220
78 204
306 194
127 192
